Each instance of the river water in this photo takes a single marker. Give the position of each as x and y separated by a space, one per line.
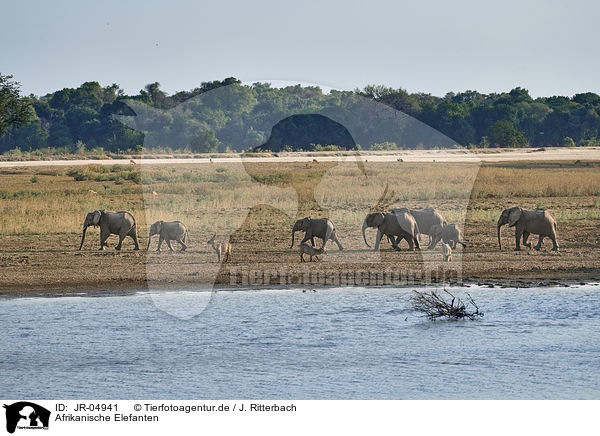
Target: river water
347 343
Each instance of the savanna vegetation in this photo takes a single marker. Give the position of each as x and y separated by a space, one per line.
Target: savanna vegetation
34 199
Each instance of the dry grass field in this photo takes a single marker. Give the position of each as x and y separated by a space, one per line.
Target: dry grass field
42 210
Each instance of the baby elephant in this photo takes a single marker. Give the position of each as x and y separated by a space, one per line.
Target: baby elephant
222 249
448 233
169 231
311 251
446 252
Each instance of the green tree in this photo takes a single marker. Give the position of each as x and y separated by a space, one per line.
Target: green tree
503 133
204 141
15 110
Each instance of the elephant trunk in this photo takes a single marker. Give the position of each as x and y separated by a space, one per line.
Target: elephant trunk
293 231
83 236
364 226
149 239
499 240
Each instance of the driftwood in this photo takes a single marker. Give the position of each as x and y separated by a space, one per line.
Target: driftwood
435 305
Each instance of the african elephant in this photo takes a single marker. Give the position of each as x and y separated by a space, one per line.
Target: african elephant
425 218
539 222
448 233
169 231
316 227
399 224
111 223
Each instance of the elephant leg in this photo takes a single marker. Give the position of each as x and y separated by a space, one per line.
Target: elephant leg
395 241
525 236
301 257
416 241
160 241
554 243
121 237
168 241
411 243
377 240
104 234
433 243
133 235
336 240
539 244
308 236
518 234
183 246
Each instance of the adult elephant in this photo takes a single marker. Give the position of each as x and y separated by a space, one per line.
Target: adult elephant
169 231
111 223
399 224
449 233
526 222
316 227
425 218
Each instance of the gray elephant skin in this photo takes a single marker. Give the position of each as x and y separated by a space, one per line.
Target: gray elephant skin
169 231
526 222
399 224
449 233
111 223
425 218
316 227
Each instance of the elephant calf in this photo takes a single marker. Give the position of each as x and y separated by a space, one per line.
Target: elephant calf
111 223
449 233
169 231
539 222
316 227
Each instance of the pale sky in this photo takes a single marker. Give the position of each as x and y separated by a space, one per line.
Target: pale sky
548 47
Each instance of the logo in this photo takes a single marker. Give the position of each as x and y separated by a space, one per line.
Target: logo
26 415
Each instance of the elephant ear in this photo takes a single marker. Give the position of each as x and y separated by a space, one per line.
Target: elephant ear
378 219
513 216
96 218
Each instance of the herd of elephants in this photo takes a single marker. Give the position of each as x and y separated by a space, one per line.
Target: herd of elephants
397 225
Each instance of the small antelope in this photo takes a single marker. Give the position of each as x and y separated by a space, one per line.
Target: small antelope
311 251
222 249
446 252
131 161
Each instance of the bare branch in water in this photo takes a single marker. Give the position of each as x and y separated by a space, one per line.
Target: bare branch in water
434 306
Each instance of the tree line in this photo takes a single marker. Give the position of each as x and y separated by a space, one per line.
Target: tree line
83 119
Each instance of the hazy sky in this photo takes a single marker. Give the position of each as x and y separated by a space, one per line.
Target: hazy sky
548 47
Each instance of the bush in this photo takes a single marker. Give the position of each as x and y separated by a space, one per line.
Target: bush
331 147
385 146
204 141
